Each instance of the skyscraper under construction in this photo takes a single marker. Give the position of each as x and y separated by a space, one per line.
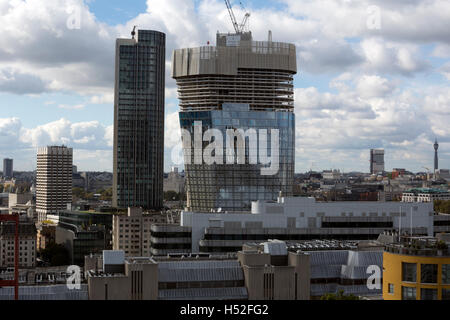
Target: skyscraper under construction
237 84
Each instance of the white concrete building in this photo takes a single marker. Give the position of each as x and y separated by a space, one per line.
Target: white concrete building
299 218
425 195
53 180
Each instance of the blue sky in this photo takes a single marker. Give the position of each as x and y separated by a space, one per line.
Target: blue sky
367 79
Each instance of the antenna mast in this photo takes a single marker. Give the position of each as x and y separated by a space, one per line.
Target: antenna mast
239 28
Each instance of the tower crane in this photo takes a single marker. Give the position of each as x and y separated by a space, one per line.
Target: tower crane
239 28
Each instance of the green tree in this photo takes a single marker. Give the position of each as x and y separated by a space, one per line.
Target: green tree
442 206
339 296
106 195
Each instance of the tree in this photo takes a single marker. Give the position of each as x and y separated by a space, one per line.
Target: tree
106 195
339 296
442 206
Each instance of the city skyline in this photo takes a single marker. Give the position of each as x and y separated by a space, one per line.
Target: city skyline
363 85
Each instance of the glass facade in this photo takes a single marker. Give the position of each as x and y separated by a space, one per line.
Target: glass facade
408 293
232 187
409 272
429 273
139 121
446 274
428 294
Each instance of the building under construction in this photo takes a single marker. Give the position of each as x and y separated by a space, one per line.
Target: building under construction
237 84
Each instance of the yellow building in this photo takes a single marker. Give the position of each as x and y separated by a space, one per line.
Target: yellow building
416 269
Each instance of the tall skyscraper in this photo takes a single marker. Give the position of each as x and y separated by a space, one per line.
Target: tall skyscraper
7 168
376 161
239 84
53 180
139 121
436 161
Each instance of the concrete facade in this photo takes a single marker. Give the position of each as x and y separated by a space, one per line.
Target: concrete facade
53 180
298 218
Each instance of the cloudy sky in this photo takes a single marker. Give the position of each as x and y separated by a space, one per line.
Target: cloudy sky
372 74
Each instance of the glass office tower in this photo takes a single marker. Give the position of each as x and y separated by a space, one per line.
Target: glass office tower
239 84
139 121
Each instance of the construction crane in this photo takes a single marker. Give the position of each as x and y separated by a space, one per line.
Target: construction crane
239 28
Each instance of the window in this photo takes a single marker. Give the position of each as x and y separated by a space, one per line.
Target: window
446 274
445 294
428 273
391 288
408 293
409 272
428 294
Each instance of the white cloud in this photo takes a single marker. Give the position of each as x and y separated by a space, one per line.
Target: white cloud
71 107
172 134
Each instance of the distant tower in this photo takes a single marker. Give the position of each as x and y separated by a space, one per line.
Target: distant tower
53 180
436 164
376 161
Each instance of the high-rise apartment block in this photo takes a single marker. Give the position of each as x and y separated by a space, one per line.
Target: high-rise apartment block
376 161
7 168
238 85
139 121
53 180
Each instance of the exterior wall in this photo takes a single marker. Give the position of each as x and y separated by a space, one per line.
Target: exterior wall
140 282
131 233
392 274
53 180
301 263
17 198
167 239
226 60
424 197
144 280
270 283
174 182
232 187
27 245
308 215
109 288
253 259
139 121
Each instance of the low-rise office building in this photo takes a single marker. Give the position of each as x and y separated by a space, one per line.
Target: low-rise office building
417 269
299 218
166 239
81 242
131 233
425 195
